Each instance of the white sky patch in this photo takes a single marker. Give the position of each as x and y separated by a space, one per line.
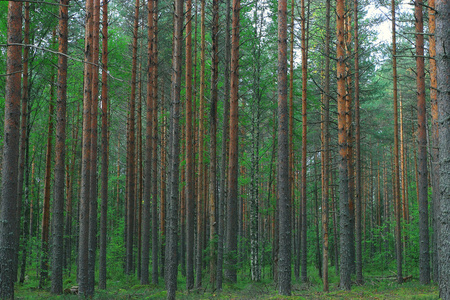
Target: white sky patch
384 29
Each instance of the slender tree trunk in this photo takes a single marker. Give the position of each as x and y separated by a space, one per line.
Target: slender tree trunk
296 237
326 150
303 250
104 175
200 185
232 205
145 256
284 264
23 168
345 222
396 193
434 137
358 250
93 166
85 160
223 160
424 256
60 153
172 212
190 186
443 99
131 149
213 142
46 207
154 185
8 205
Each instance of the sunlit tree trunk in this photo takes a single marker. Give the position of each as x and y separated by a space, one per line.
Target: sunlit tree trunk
345 223
434 138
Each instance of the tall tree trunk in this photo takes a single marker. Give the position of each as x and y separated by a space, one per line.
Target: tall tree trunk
284 264
131 149
296 238
154 185
145 256
8 205
398 235
424 256
232 204
85 158
171 269
358 250
23 167
60 153
434 138
223 159
326 150
304 249
93 167
443 98
190 185
345 222
104 175
213 142
200 185
47 180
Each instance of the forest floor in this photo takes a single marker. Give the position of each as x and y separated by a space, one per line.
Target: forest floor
375 287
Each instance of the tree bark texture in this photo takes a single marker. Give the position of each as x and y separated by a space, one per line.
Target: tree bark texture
434 138
223 159
146 214
104 175
171 269
190 184
345 223
93 166
424 255
8 205
232 208
326 150
213 142
396 193
284 263
303 244
85 158
443 99
60 154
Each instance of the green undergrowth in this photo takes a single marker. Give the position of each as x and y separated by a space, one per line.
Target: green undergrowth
376 286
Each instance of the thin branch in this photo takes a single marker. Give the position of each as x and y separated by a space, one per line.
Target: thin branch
58 53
